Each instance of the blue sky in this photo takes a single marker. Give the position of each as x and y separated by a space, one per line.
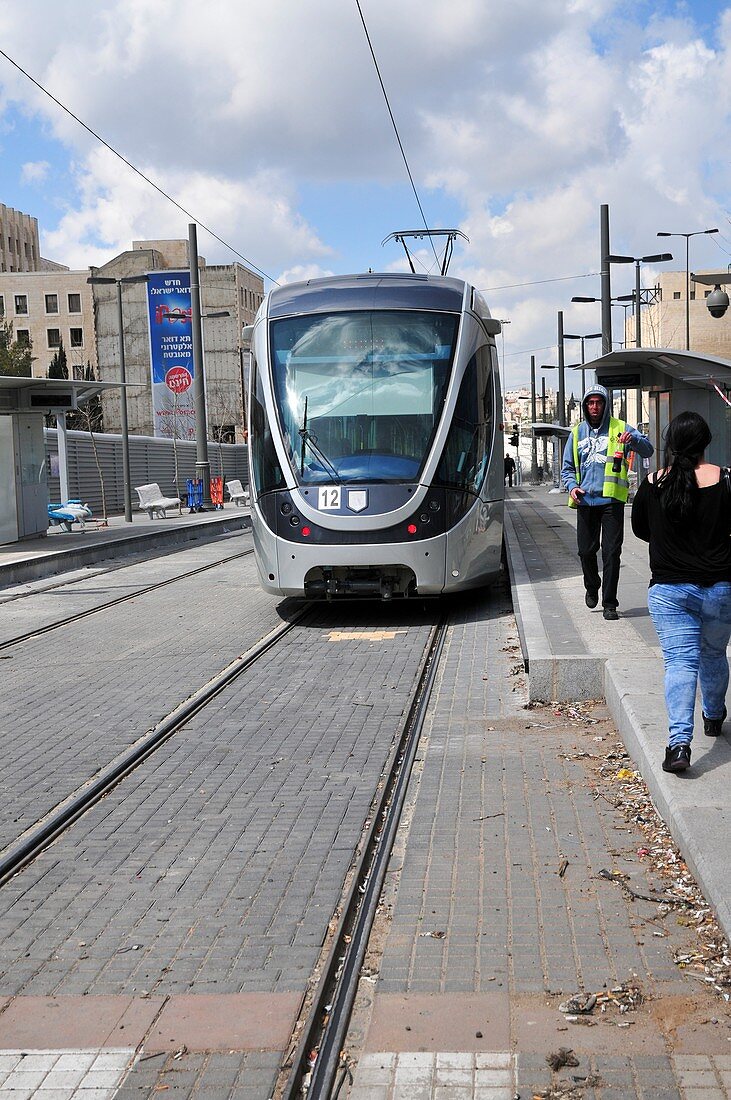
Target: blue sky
267 122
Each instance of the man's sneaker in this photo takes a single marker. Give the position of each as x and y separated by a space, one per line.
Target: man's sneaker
591 599
712 726
610 614
677 759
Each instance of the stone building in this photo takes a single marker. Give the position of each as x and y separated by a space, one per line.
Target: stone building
223 287
19 247
663 322
47 308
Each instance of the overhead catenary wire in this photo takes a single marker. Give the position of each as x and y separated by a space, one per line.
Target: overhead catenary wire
395 127
138 171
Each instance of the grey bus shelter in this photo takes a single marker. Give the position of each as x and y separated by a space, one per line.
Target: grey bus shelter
23 476
673 381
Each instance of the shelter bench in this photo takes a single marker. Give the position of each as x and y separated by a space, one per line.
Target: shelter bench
237 493
153 502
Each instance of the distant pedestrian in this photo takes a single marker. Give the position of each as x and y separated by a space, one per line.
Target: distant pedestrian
684 512
595 472
509 469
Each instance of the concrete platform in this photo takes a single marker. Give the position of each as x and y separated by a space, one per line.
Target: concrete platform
572 653
60 551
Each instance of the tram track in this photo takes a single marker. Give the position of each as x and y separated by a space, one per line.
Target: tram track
316 1063
145 590
43 833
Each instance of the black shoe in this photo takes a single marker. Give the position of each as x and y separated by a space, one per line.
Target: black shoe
712 726
610 614
677 759
591 599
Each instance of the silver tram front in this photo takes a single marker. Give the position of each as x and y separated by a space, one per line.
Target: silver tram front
376 460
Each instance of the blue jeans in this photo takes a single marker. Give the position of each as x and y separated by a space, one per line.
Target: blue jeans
694 625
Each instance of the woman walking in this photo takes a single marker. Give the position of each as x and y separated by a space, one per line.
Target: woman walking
684 512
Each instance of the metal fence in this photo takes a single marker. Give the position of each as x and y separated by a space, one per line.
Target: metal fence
150 460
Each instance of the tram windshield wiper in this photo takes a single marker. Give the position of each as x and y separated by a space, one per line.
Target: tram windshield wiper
307 439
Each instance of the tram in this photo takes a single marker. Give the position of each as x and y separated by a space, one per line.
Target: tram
376 461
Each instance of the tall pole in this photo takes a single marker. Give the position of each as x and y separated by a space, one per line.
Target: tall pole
543 414
561 381
606 283
583 372
533 441
687 293
123 410
638 328
202 465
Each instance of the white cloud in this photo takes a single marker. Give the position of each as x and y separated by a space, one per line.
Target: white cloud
526 117
34 171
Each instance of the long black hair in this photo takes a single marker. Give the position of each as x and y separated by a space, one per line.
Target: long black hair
686 438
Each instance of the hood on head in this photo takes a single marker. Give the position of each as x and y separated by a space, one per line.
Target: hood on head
595 391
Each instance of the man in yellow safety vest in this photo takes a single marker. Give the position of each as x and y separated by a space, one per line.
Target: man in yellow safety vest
595 472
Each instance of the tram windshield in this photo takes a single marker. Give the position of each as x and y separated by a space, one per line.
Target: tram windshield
360 393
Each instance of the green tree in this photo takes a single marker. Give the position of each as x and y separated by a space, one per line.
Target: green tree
58 367
15 358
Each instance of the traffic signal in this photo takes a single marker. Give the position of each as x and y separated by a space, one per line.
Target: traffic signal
514 439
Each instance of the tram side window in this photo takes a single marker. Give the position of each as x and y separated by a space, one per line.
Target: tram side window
467 451
267 471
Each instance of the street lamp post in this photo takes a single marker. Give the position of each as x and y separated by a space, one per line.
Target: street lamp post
619 300
503 322
637 260
697 233
127 481
586 336
533 442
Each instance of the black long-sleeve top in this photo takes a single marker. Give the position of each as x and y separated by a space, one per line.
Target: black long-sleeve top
695 552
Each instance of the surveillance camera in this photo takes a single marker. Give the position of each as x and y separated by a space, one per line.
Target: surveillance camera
717 301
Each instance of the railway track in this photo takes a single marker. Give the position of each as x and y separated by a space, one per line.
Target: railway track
143 591
37 838
316 1063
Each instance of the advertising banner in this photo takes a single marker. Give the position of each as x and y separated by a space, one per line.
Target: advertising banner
171 353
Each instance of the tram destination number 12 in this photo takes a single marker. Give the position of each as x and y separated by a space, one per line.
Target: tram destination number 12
328 498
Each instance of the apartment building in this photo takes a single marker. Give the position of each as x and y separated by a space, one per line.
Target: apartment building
19 247
229 289
47 308
663 322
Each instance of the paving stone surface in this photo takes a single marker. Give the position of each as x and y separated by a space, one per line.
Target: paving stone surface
74 698
482 938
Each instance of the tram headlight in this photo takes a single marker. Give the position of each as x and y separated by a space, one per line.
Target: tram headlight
433 505
285 508
306 532
294 520
411 528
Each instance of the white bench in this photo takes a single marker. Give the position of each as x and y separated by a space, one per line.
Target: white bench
153 502
237 493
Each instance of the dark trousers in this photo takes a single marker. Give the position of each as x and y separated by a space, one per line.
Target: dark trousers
601 525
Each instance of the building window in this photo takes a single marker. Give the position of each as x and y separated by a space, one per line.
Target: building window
76 337
54 337
11 244
2 305
692 295
21 304
74 303
224 433
706 293
22 337
676 295
52 303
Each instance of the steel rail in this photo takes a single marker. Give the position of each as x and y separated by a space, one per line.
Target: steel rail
119 599
104 570
329 1016
34 841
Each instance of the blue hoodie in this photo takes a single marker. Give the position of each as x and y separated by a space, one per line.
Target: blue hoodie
593 452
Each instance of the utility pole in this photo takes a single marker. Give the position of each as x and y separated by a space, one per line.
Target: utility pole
606 283
561 367
533 441
202 465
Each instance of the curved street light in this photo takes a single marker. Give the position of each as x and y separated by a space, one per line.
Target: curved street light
697 233
660 258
